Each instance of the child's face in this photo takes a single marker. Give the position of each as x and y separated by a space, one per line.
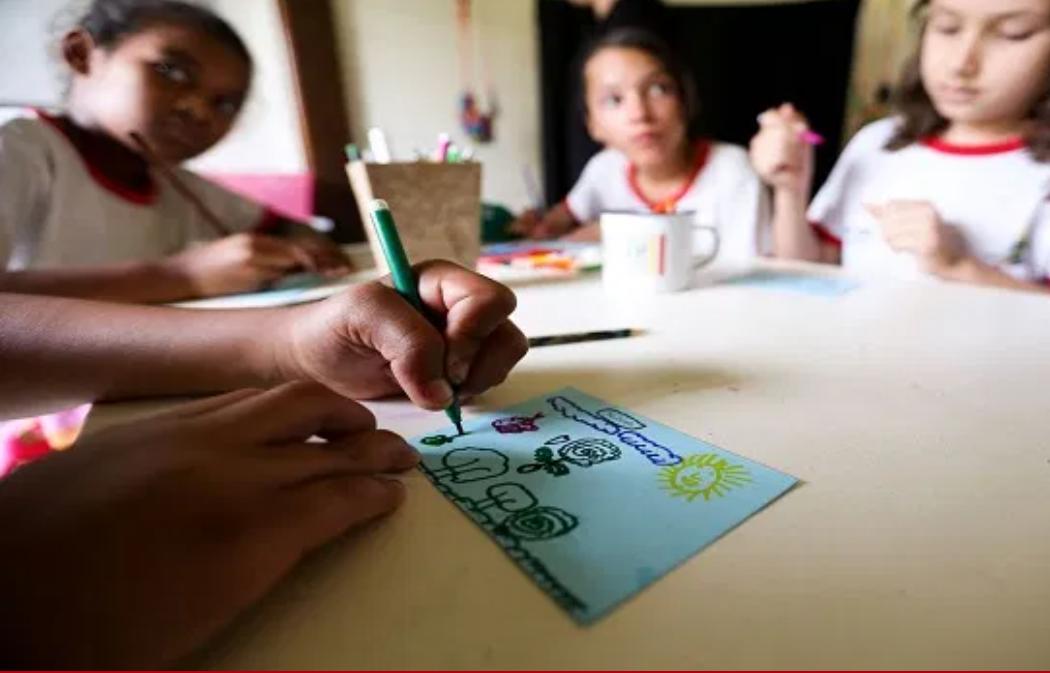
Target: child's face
177 86
634 106
986 61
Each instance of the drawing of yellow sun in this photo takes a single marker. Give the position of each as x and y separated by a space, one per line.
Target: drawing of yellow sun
703 474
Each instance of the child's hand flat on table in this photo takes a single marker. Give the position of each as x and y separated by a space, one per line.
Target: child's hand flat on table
526 223
915 227
149 538
537 226
779 154
585 233
369 342
238 263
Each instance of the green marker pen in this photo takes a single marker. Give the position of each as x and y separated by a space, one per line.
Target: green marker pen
404 279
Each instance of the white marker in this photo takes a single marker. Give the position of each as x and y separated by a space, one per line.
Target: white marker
377 143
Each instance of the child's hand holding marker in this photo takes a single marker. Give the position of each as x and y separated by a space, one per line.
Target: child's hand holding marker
238 263
231 495
370 342
782 150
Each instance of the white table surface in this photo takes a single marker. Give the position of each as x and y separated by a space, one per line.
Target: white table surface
917 417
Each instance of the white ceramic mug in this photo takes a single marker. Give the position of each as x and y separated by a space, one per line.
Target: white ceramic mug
649 252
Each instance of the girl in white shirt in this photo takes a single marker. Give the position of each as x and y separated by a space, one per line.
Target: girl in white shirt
82 211
956 185
640 104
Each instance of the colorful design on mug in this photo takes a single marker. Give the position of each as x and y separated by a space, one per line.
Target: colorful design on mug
657 254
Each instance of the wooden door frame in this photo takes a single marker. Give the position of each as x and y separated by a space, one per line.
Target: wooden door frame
323 115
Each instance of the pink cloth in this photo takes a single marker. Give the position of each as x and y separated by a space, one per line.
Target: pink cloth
28 439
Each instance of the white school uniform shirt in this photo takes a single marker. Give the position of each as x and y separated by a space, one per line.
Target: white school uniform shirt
996 195
724 192
56 210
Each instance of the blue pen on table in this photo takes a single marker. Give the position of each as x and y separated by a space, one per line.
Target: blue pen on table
404 279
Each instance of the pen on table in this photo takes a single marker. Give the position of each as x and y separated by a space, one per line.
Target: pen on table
578 337
404 279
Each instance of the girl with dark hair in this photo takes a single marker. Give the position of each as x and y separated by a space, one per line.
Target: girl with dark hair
640 102
82 209
957 185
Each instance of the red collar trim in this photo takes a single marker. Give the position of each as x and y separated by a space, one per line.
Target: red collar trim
670 204
939 145
142 198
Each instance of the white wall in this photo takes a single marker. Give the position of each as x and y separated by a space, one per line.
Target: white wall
267 138
27 75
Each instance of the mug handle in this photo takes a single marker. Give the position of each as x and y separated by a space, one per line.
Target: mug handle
703 261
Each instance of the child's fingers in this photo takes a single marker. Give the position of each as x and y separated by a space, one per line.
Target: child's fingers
295 412
377 451
366 453
321 510
496 357
902 241
474 307
382 320
525 222
877 210
275 253
209 404
305 259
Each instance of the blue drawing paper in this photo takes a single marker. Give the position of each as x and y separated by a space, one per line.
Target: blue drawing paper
593 502
822 286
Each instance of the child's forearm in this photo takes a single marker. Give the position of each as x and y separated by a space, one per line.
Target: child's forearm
132 282
975 272
56 352
793 237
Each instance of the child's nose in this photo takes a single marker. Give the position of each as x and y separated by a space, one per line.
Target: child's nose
194 108
966 60
638 108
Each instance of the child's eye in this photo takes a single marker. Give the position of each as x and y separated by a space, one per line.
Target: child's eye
1018 34
612 100
944 28
228 107
661 89
172 72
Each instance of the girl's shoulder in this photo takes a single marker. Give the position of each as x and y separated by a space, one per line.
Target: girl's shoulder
606 160
727 154
26 133
873 137
728 161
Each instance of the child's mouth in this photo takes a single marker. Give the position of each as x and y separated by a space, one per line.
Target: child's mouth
958 94
646 140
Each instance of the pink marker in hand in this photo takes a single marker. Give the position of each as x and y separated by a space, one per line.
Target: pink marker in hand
808 136
812 138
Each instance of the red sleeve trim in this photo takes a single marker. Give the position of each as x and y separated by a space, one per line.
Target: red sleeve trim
824 235
267 222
